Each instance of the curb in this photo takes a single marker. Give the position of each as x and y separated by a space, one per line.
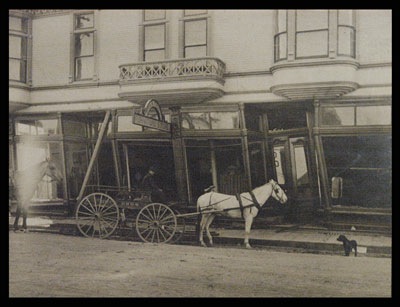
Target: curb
190 239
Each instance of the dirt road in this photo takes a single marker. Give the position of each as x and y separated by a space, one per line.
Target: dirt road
52 265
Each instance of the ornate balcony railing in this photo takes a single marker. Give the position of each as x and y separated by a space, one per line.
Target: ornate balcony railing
196 67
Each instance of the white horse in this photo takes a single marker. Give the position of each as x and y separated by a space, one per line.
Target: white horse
23 184
246 206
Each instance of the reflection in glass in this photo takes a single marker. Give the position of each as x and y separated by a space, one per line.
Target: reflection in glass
337 116
195 121
125 124
279 159
84 21
301 165
374 115
224 120
365 166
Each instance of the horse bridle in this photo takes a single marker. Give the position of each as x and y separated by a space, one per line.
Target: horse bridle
276 190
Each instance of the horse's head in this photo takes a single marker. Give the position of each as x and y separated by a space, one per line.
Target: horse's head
277 192
50 169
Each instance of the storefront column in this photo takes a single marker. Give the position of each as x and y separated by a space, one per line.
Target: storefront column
64 167
178 146
245 147
322 173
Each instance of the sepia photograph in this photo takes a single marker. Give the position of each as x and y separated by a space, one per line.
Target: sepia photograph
200 153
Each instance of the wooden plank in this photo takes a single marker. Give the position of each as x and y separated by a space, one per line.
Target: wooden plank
96 150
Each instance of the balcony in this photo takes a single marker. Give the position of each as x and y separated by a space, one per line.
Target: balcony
314 78
178 82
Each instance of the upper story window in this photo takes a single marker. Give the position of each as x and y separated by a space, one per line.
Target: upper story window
280 39
154 35
311 33
195 33
84 47
346 41
302 34
18 48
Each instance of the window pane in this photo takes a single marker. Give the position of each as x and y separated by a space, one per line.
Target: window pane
301 166
25 127
195 12
311 20
281 45
345 17
365 167
125 124
84 21
83 44
312 44
345 41
195 32
15 46
195 121
282 14
224 120
14 70
47 126
84 68
282 119
279 154
154 14
18 24
74 128
195 52
374 115
154 55
154 37
337 116
76 165
256 164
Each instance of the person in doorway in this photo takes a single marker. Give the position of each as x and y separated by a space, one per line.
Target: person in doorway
148 183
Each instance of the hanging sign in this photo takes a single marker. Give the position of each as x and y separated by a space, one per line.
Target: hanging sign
151 116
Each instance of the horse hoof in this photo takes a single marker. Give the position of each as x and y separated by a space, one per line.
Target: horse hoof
203 244
248 246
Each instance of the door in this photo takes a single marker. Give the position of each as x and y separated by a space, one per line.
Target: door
292 169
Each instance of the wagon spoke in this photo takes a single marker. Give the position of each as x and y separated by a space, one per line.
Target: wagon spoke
151 216
109 213
87 208
101 211
86 213
148 217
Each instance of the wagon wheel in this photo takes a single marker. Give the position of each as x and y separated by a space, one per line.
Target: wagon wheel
180 228
156 223
97 215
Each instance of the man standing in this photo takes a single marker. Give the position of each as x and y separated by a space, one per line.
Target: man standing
149 184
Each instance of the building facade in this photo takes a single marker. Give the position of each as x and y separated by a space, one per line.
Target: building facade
301 96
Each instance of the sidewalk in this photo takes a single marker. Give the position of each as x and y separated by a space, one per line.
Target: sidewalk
302 239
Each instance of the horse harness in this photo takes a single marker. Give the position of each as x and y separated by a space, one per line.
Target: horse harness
241 207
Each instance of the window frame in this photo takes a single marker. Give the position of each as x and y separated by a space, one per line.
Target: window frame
353 35
26 55
142 42
296 32
182 41
73 57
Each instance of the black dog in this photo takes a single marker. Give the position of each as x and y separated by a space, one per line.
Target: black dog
348 245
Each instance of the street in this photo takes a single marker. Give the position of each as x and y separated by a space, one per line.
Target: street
53 265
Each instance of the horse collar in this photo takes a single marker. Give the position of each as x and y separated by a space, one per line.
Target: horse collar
256 203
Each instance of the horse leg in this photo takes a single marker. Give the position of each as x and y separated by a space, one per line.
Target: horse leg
201 229
208 223
17 215
24 218
247 228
